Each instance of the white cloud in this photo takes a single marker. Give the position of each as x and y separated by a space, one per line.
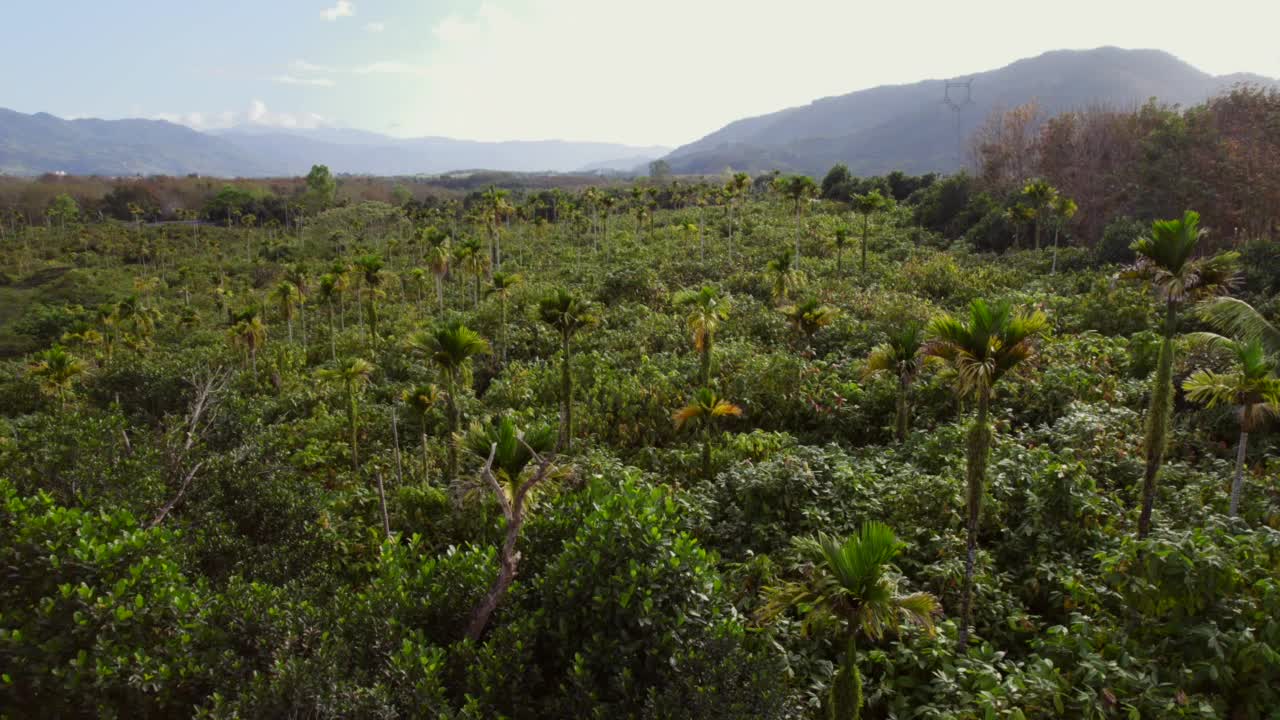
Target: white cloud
375 27
381 67
257 114
344 8
288 79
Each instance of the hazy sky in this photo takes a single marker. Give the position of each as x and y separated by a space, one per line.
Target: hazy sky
651 72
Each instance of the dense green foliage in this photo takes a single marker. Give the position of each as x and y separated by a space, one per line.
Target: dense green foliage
653 453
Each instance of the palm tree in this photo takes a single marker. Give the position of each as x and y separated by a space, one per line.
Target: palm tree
57 372
298 276
328 288
1064 208
705 409
867 205
469 254
1252 387
249 333
707 309
495 206
981 350
424 399
370 267
438 260
841 240
418 278
798 189
513 449
287 298
450 348
808 317
1165 260
735 188
784 277
568 314
137 318
1239 319
1040 198
352 374
902 356
848 585
503 284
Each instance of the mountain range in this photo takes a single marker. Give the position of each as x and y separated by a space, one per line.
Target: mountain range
910 128
42 143
891 127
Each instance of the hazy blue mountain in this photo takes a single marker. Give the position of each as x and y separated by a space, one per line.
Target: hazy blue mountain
908 127
40 143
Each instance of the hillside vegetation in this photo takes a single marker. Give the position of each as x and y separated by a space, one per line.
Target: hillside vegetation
752 447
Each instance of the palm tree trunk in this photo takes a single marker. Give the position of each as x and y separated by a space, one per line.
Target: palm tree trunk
566 396
1159 415
395 439
333 339
844 700
504 329
440 292
351 420
1238 483
706 361
979 446
866 231
453 429
426 459
797 233
904 412
382 501
706 451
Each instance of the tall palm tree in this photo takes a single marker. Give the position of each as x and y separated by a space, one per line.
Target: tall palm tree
867 205
1252 387
439 258
848 585
470 256
1063 209
513 448
57 371
352 374
798 189
503 284
807 318
735 189
784 277
328 289
981 350
249 333
417 277
904 357
450 348
705 409
370 267
287 298
568 314
1040 198
1166 260
841 239
298 276
423 399
706 310
496 206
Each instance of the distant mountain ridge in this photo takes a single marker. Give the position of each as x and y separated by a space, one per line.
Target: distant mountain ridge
907 127
42 143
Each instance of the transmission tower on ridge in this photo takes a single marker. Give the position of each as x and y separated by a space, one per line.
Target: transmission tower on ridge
957 95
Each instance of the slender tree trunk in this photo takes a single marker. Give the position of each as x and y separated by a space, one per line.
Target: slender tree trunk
566 396
426 458
903 418
450 446
395 439
288 317
705 371
844 700
382 501
440 292
333 338
706 450
866 232
355 435
1159 415
797 233
1237 484
979 447
504 329
508 559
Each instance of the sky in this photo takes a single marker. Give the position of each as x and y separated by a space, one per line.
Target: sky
658 72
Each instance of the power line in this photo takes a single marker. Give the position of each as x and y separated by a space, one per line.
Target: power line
957 103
